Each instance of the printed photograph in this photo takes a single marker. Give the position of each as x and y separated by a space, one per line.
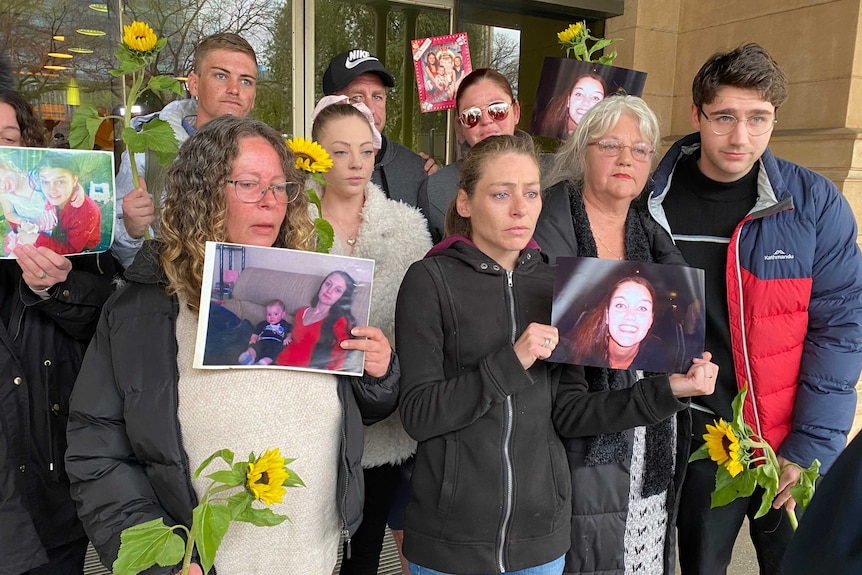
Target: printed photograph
628 315
56 198
440 62
280 308
569 88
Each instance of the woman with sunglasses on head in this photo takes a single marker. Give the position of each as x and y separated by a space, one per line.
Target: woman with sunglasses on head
485 106
367 224
633 472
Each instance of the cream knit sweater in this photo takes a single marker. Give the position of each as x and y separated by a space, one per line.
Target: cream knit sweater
255 410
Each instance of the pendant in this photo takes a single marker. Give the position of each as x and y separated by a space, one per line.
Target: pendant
351 241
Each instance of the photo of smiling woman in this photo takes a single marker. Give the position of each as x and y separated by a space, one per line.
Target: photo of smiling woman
617 331
561 115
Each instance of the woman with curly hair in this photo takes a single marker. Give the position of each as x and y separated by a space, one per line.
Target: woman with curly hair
141 418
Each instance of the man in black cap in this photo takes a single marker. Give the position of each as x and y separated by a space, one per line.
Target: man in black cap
361 77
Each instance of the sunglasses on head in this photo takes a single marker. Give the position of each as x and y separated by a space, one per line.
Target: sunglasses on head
498 111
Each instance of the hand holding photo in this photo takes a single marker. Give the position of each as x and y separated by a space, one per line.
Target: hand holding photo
628 315
279 308
59 199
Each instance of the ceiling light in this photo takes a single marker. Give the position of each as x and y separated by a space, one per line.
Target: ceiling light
50 67
81 50
60 38
99 7
61 55
90 32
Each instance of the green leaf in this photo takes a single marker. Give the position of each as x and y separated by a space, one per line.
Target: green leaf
260 517
608 59
293 480
160 43
211 523
769 482
701 453
325 235
737 404
165 83
85 124
238 503
225 454
147 544
803 491
728 488
228 477
156 135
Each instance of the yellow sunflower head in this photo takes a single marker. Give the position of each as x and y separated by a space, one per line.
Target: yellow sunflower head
723 446
266 475
139 37
570 33
310 156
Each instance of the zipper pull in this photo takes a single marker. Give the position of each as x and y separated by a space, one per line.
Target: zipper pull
509 277
347 551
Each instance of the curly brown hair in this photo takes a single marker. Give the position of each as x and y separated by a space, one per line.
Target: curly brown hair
193 214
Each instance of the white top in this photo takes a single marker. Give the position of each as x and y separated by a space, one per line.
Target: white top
260 409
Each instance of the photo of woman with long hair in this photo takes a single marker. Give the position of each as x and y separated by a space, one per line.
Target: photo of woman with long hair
616 333
564 111
319 329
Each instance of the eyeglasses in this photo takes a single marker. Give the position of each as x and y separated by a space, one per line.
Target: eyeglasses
641 151
250 192
498 111
723 124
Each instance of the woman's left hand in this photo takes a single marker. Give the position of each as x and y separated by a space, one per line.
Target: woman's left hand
42 267
378 352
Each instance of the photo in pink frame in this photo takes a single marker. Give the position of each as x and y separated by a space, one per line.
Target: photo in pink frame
440 63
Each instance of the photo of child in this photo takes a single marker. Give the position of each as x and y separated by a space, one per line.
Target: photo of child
269 337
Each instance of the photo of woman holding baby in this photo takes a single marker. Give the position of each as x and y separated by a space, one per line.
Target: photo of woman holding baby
319 329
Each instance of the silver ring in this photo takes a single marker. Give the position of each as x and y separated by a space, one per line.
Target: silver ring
42 276
547 342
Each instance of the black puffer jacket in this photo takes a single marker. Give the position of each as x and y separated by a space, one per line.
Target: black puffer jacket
40 354
125 459
600 497
490 490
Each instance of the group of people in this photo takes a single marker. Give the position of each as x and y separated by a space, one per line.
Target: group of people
481 455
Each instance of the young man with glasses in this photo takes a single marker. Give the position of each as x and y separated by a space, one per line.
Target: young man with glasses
360 76
783 291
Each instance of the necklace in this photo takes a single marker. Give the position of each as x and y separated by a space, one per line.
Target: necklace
604 245
350 239
602 211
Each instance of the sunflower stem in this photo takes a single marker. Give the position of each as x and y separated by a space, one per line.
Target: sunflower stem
791 515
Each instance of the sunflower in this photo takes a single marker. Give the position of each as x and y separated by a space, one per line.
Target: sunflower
139 37
570 33
723 446
310 156
266 475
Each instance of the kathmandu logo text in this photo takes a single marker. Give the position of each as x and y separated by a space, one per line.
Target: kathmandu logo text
779 255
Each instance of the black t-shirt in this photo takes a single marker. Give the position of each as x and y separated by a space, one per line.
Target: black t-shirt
703 214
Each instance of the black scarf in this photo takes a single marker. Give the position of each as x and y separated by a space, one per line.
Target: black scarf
615 447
